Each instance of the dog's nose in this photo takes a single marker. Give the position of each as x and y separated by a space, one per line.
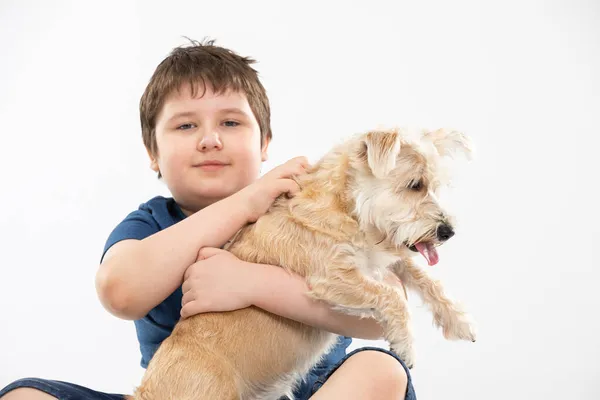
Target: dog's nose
444 232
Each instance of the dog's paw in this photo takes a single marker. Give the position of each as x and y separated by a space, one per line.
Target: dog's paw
460 327
405 352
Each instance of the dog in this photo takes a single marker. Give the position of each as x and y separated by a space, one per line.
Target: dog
365 209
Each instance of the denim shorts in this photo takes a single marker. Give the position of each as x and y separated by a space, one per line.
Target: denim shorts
70 391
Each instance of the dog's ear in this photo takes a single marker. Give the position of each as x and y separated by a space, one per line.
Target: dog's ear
447 142
382 150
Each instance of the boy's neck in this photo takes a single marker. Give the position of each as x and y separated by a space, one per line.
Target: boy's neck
190 210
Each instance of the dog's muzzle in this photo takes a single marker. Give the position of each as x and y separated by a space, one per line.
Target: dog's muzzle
427 247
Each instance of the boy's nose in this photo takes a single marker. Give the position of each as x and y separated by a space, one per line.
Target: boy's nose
210 141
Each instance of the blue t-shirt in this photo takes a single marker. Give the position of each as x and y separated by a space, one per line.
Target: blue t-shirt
153 216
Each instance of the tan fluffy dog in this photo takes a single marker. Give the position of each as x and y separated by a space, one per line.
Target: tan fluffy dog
366 207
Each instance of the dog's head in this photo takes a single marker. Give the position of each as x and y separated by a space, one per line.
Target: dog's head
398 180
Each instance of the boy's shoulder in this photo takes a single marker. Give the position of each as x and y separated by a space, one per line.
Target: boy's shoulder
150 217
159 206
159 211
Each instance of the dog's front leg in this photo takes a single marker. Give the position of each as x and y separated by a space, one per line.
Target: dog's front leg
346 287
455 323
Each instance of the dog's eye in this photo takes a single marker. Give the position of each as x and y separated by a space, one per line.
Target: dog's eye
416 185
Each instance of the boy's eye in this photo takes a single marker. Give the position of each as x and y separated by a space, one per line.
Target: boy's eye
231 123
185 127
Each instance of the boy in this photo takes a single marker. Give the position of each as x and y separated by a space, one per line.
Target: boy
206 126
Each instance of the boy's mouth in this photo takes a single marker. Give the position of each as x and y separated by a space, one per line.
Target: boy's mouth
211 165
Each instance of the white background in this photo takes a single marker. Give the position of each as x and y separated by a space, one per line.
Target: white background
521 78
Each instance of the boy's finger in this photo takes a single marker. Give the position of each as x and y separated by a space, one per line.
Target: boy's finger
207 252
303 161
288 186
183 313
299 170
188 296
187 273
295 166
186 285
191 308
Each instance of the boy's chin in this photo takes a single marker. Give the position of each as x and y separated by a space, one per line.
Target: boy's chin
201 195
214 193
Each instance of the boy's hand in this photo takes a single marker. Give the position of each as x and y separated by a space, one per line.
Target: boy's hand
261 194
218 281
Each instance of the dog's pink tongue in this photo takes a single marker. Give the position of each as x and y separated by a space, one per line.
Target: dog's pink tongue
429 252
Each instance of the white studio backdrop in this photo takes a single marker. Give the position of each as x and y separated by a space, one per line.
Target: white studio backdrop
522 78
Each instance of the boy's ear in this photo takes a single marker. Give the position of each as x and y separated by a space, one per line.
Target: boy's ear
263 152
382 150
153 161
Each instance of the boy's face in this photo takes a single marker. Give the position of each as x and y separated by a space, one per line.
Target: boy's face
208 147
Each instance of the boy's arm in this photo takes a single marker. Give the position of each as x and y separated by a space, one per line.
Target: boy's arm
137 275
281 293
219 281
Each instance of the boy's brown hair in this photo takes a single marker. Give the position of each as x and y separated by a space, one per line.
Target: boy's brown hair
199 64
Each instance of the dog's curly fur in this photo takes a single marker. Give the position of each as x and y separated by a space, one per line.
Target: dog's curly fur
366 207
